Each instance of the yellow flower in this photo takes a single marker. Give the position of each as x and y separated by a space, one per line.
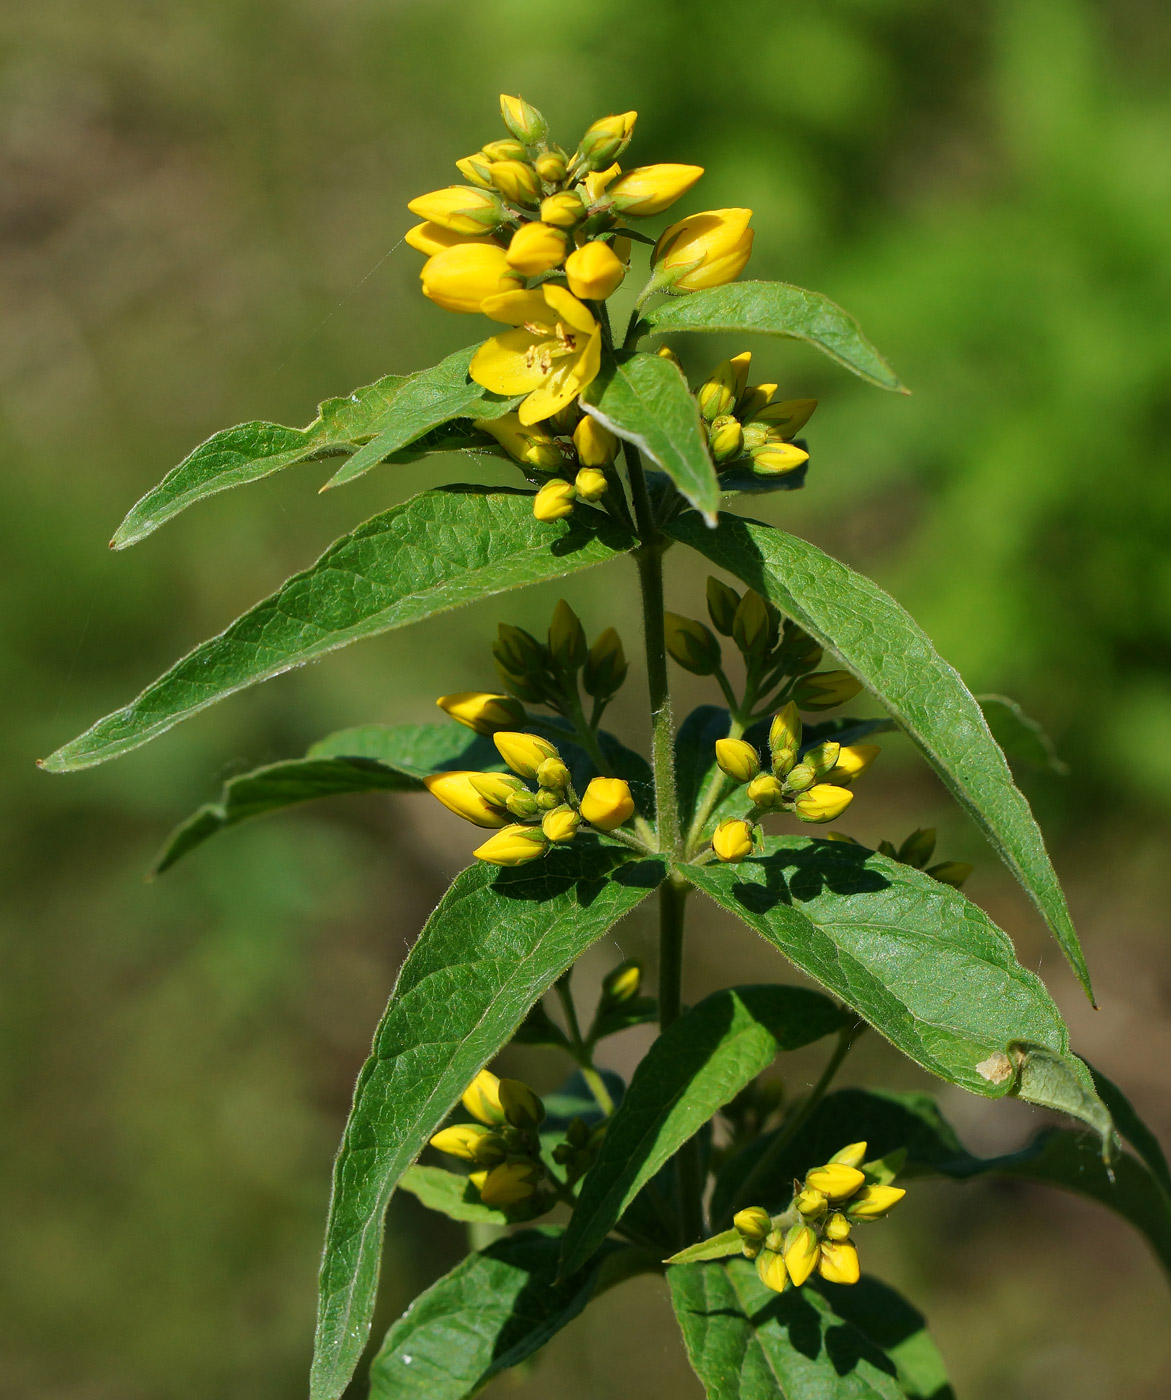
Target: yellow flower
649 189
801 1253
852 1155
459 208
564 209
474 169
718 393
502 150
432 238
810 1202
606 139
594 271
550 167
704 250
726 439
523 119
459 795
823 803
555 352
753 1223
471 1142
506 1185
607 803
524 753
460 277
738 759
787 418
785 730
853 761
751 624
732 840
482 1098
599 181
835 1180
621 984
560 824
778 459
532 447
591 484
765 791
838 1262
837 1227
482 711
596 445
536 248
771 1270
554 501
873 1201
513 845
522 1108
516 180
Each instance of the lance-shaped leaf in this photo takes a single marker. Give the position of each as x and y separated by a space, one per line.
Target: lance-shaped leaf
1021 737
925 966
394 412
644 400
435 552
490 1312
775 308
697 1065
369 758
900 1330
747 1343
497 942
892 656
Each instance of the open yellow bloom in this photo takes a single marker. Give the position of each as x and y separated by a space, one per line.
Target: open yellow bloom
649 189
460 277
553 354
718 243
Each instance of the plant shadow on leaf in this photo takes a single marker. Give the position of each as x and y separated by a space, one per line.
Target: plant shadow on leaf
585 870
844 874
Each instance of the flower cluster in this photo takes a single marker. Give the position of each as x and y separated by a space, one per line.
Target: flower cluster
538 240
746 421
814 1233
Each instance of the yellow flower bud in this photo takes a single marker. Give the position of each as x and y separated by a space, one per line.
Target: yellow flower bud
778 459
665 352
594 271
741 364
567 642
717 394
605 668
497 789
553 775
547 799
788 417
822 757
513 845
459 795
852 1155
771 1270
596 444
750 405
516 180
801 1253
873 1201
951 872
560 824
471 1142
738 759
810 1203
785 730
765 791
562 210
459 208
722 602
537 248
917 849
835 1180
825 689
607 803
591 484
837 1227
531 446
725 439
503 150
460 277
732 840
475 169
482 1098
554 501
522 1108
622 982
839 1262
822 803
690 644
523 119
704 250
853 761
508 1184
550 167
649 189
482 711
605 140
753 1222
432 238
524 753
751 626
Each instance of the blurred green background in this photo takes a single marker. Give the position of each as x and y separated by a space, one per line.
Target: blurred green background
200 208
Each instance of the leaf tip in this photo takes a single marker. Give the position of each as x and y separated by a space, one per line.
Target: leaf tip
711 518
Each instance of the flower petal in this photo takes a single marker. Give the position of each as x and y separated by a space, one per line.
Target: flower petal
569 309
518 308
500 365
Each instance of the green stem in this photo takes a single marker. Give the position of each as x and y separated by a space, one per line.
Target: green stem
796 1121
585 736
598 1089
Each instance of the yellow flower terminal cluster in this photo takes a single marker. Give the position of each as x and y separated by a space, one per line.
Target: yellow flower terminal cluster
747 422
503 1149
537 240
814 1233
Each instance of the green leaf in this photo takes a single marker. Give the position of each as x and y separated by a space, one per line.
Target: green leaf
892 657
900 1330
721 1246
370 758
1020 737
497 942
435 552
925 966
695 1067
397 408
775 308
489 1313
450 1194
644 399
747 1343
1132 1127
